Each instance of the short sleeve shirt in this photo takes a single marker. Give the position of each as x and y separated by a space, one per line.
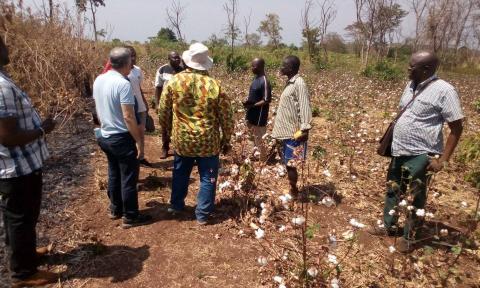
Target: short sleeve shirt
20 160
420 129
260 89
136 78
110 91
164 74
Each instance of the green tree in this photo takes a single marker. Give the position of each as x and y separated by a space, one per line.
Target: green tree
270 27
167 34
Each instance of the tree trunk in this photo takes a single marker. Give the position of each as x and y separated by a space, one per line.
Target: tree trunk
94 20
50 6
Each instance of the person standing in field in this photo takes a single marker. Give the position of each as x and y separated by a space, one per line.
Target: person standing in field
136 78
23 151
293 120
162 76
201 128
258 104
119 136
417 146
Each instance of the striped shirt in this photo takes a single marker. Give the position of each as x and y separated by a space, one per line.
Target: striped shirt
420 129
20 160
294 112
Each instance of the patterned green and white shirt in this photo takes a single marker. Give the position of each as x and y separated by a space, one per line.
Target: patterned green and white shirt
202 114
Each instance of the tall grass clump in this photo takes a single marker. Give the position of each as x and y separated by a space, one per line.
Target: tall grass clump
51 58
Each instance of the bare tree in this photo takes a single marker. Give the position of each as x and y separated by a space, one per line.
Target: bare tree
271 28
246 25
50 6
309 30
327 16
232 30
175 16
419 8
92 5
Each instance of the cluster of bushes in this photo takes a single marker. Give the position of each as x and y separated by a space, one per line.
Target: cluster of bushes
384 70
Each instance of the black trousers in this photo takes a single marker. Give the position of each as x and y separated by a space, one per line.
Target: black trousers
20 204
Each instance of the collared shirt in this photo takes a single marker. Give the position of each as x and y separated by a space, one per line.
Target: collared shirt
164 74
202 114
110 91
420 129
294 112
259 90
20 160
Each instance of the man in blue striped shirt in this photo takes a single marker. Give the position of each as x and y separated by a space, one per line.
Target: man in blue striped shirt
22 154
258 104
417 145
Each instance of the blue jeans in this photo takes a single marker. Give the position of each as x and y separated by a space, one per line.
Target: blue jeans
208 170
123 169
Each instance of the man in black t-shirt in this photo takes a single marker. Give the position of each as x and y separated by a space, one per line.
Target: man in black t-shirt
257 105
162 76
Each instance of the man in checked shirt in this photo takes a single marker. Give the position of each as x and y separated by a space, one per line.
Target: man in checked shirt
417 146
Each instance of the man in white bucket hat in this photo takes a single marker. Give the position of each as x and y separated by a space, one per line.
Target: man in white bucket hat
201 128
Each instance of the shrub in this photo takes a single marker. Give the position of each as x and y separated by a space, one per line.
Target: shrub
383 70
236 63
476 105
315 111
470 156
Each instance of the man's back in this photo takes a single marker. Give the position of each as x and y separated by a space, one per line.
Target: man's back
110 91
199 110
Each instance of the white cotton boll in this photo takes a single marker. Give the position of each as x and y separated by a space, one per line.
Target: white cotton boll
282 286
377 139
391 212
263 205
241 233
282 228
403 203
224 185
278 279
436 194
312 272
464 204
262 261
328 201
259 233
288 196
332 238
444 232
256 154
379 222
356 224
262 219
234 171
247 161
298 221
410 208
264 171
334 283
354 177
429 215
327 173
332 259
391 249
420 212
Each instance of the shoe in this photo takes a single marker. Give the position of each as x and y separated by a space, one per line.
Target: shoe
404 245
40 278
145 163
114 216
141 219
174 211
164 154
202 222
382 231
42 251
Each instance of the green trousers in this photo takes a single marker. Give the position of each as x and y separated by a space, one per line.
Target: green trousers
407 175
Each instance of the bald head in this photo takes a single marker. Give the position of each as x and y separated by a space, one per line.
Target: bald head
258 66
174 59
423 65
120 57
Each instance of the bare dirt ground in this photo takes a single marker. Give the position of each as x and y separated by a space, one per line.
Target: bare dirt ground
93 251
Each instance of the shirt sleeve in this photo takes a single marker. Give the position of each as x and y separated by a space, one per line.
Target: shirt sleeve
304 103
158 79
7 101
165 107
225 117
126 94
450 106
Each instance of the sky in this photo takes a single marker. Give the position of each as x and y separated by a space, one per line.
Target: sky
140 19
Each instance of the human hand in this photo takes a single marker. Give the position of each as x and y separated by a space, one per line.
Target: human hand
436 165
301 136
48 125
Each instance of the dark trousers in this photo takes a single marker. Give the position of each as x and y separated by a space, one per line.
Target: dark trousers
406 174
208 170
20 204
123 170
